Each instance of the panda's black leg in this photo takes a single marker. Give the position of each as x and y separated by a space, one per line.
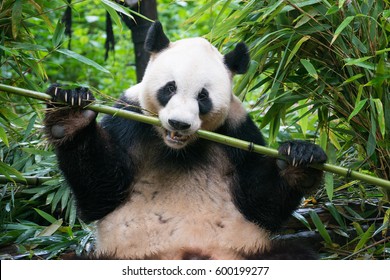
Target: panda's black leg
293 250
96 168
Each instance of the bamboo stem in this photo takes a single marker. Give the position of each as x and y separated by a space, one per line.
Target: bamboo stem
212 136
28 180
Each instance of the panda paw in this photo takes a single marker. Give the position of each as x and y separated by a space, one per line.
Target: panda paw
295 166
78 97
65 115
300 153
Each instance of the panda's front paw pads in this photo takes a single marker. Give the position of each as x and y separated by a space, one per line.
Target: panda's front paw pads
300 154
75 97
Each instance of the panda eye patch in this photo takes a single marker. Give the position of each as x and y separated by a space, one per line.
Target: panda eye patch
203 95
165 93
204 101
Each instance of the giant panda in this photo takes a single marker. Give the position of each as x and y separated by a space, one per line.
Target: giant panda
164 193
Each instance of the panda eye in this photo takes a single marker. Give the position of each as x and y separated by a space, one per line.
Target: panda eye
204 102
165 93
170 87
203 95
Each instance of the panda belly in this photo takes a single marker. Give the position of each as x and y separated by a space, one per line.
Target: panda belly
179 216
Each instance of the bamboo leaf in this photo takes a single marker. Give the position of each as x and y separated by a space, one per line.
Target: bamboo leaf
365 237
353 78
341 3
358 107
353 213
329 181
28 47
7 171
371 144
329 185
309 68
16 17
386 221
303 117
380 116
64 198
357 61
320 227
332 10
302 219
3 136
59 33
121 9
72 212
42 14
50 230
334 140
335 213
341 27
296 48
46 216
83 59
29 128
114 15
383 228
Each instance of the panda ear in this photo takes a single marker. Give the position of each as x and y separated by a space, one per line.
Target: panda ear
238 59
156 40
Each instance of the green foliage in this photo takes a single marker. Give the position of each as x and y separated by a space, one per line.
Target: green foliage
321 64
319 71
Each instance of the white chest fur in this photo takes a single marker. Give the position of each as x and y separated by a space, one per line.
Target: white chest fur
170 215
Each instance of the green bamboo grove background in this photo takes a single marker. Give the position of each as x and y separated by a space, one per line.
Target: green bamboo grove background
319 71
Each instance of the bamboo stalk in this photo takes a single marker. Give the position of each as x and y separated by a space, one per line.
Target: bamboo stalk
212 136
28 180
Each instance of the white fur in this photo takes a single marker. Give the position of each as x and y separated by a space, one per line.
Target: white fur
171 213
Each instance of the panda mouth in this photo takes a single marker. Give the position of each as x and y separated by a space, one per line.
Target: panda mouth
176 138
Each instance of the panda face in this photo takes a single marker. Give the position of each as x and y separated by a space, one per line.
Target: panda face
189 86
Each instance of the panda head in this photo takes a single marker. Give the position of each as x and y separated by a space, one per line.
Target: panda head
188 83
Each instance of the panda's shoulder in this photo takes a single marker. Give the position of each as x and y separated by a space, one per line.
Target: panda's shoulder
239 124
121 129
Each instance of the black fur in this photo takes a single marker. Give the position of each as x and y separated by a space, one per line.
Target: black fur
280 250
156 40
165 93
204 101
238 60
260 192
94 164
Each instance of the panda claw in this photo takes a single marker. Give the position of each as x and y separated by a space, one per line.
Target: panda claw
289 150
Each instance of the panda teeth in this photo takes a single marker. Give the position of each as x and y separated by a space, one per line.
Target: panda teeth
173 135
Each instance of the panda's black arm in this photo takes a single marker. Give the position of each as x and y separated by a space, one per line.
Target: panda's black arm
96 167
98 171
263 191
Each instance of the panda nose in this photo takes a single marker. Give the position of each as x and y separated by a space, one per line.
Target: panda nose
178 125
